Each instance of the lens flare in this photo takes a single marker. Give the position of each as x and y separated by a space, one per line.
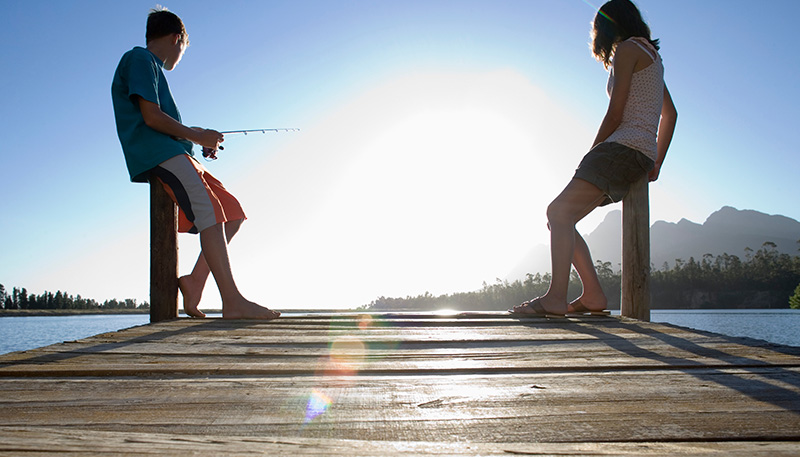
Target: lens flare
365 321
346 357
318 403
600 12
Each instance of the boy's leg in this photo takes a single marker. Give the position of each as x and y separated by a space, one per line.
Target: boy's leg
205 206
234 305
192 285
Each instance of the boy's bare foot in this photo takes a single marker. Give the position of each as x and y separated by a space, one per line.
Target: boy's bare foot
192 293
245 309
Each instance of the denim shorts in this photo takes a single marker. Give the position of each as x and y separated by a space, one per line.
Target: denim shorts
613 167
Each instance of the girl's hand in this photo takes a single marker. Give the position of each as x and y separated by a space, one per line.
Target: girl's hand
653 175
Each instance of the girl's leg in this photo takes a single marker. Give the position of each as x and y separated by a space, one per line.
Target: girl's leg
577 200
592 297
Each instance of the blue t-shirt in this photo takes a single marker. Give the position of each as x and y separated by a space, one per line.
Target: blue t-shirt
141 73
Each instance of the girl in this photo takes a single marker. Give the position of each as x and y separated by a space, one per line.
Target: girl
632 141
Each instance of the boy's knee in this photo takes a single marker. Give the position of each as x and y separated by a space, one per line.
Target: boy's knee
212 229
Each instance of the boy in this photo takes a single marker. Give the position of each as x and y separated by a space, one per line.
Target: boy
158 146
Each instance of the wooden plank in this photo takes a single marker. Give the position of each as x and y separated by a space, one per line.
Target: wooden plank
747 405
163 254
635 301
60 441
586 357
493 347
478 384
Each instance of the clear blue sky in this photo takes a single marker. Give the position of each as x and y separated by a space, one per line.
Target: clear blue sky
434 133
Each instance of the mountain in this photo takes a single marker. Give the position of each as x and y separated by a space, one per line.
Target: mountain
728 230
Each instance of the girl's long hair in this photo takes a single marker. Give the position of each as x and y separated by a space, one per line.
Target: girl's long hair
617 21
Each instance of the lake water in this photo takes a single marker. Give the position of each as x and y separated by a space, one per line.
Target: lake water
773 325
29 332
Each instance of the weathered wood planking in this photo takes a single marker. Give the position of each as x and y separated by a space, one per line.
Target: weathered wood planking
42 441
480 384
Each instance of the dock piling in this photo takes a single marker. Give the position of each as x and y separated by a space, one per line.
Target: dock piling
163 254
635 302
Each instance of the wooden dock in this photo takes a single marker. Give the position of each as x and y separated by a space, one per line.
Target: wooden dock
403 384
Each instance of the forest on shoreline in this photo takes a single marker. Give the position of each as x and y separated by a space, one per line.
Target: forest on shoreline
19 299
764 279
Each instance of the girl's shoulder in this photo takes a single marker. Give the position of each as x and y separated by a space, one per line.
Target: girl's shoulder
642 43
637 49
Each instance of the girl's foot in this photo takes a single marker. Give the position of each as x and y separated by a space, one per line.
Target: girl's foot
535 307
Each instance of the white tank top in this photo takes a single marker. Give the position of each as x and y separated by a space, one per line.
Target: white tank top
642 113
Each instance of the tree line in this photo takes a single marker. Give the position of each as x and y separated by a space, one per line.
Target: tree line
20 298
763 279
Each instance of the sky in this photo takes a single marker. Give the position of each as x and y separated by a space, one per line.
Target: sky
433 135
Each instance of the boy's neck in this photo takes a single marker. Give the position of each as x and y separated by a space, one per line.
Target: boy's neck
157 50
165 49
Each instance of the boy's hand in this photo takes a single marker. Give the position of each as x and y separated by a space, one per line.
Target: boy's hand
208 138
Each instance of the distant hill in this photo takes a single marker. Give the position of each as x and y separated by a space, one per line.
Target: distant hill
728 230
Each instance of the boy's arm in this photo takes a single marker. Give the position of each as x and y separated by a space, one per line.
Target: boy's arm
161 122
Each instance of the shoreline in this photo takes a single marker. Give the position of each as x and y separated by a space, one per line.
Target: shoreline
67 312
182 314
88 312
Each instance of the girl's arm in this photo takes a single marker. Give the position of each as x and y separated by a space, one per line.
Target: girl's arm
625 58
666 128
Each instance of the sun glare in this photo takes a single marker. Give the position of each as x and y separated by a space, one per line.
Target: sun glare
442 187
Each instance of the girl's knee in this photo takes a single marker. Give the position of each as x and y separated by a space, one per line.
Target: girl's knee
557 215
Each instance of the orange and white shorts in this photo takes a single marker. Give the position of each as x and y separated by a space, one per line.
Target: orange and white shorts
201 198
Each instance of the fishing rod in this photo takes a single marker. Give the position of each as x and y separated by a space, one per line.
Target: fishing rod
211 154
233 132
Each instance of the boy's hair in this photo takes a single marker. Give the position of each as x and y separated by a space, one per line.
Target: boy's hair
161 22
617 21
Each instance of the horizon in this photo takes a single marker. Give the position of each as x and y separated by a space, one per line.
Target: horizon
433 135
510 278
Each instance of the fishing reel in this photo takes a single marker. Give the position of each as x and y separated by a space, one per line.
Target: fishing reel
210 154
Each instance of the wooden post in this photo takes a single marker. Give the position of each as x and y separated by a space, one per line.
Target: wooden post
636 252
163 254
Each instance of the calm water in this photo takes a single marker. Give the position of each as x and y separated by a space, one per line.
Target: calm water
773 325
23 333
28 332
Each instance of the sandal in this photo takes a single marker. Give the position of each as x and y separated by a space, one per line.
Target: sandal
581 309
536 307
